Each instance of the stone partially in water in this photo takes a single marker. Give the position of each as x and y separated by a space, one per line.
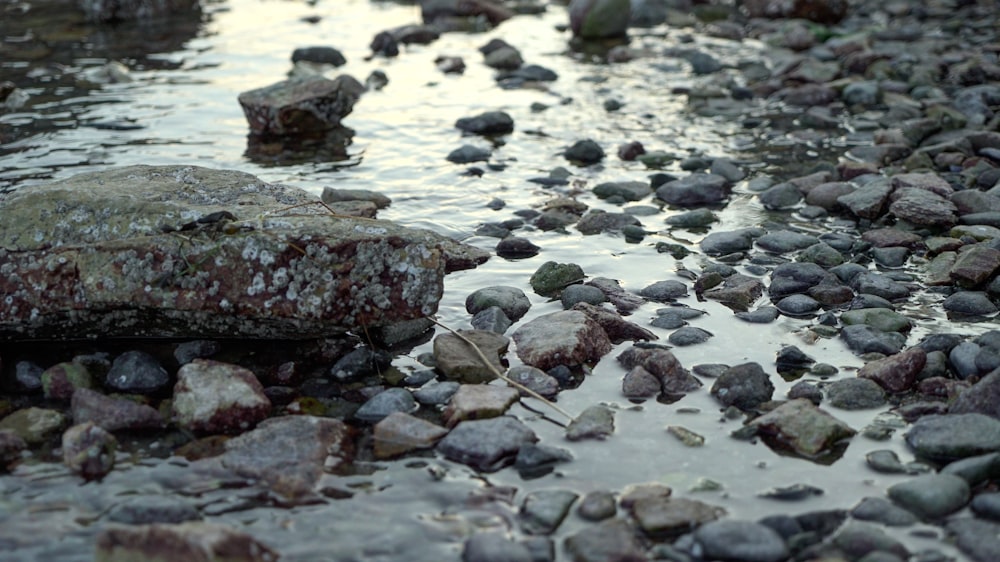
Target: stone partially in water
599 19
479 401
385 403
511 300
982 398
745 386
612 539
289 454
596 422
184 541
399 433
931 496
458 360
954 436
800 426
214 397
89 450
567 337
34 425
301 105
896 373
976 538
486 445
137 372
543 511
663 517
740 540
177 251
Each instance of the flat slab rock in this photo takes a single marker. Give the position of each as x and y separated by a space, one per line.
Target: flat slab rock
170 251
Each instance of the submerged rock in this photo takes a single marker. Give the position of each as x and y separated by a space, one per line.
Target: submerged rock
190 252
184 541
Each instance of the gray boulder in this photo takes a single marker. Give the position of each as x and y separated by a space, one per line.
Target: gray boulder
300 105
187 251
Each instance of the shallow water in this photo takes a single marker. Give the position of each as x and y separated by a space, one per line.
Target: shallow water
180 108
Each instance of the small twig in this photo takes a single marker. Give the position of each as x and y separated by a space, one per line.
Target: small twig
501 376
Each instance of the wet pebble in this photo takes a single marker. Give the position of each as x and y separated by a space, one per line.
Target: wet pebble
551 277
785 241
486 445
543 511
931 496
488 123
731 539
467 154
534 379
28 376
983 397
885 461
611 539
61 380
581 293
534 460
780 196
797 305
664 517
34 425
457 360
695 190
585 152
494 546
855 394
970 303
856 539
384 403
516 247
954 436
491 319
896 373
436 393
597 506
623 190
595 422
976 469
976 538
511 300
865 339
188 351
640 384
664 291
361 362
807 390
881 510
745 386
137 372
689 335
802 427
762 315
696 218
568 337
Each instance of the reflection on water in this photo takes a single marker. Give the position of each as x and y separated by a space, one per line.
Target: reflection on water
326 146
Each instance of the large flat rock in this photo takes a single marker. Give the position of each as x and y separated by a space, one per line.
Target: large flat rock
186 251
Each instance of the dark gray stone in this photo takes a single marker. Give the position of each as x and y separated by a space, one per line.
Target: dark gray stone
300 105
865 339
747 541
487 445
488 123
585 152
881 510
385 403
596 422
694 190
977 539
855 394
953 437
137 372
144 510
511 300
494 546
689 335
467 154
745 386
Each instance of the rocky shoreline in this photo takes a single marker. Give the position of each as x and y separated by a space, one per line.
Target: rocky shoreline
896 210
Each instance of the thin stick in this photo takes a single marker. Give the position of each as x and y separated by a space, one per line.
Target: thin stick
503 377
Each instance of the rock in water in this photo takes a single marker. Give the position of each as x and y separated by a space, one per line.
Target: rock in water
214 397
180 250
301 105
89 450
187 541
599 19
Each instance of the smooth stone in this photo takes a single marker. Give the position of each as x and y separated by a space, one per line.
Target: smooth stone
567 337
488 123
762 315
436 393
479 401
486 445
584 152
113 414
745 386
400 433
881 510
880 285
599 19
739 292
664 291
34 425
855 394
975 265
975 470
137 372
300 105
963 359
885 461
625 190
611 539
214 397
457 360
740 540
333 195
543 511
689 335
389 401
596 221
982 398
696 218
511 300
863 339
794 277
797 305
664 517
668 321
802 427
89 450
581 293
597 506
534 460
972 303
931 496
785 241
61 380
467 154
674 378
976 538
516 248
492 319
535 380
881 319
595 422
987 505
695 190
188 351
28 376
266 454
729 242
857 539
551 277
955 436
780 196
821 254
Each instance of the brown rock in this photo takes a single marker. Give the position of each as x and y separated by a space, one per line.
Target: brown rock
479 401
975 265
896 373
215 397
89 450
567 337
